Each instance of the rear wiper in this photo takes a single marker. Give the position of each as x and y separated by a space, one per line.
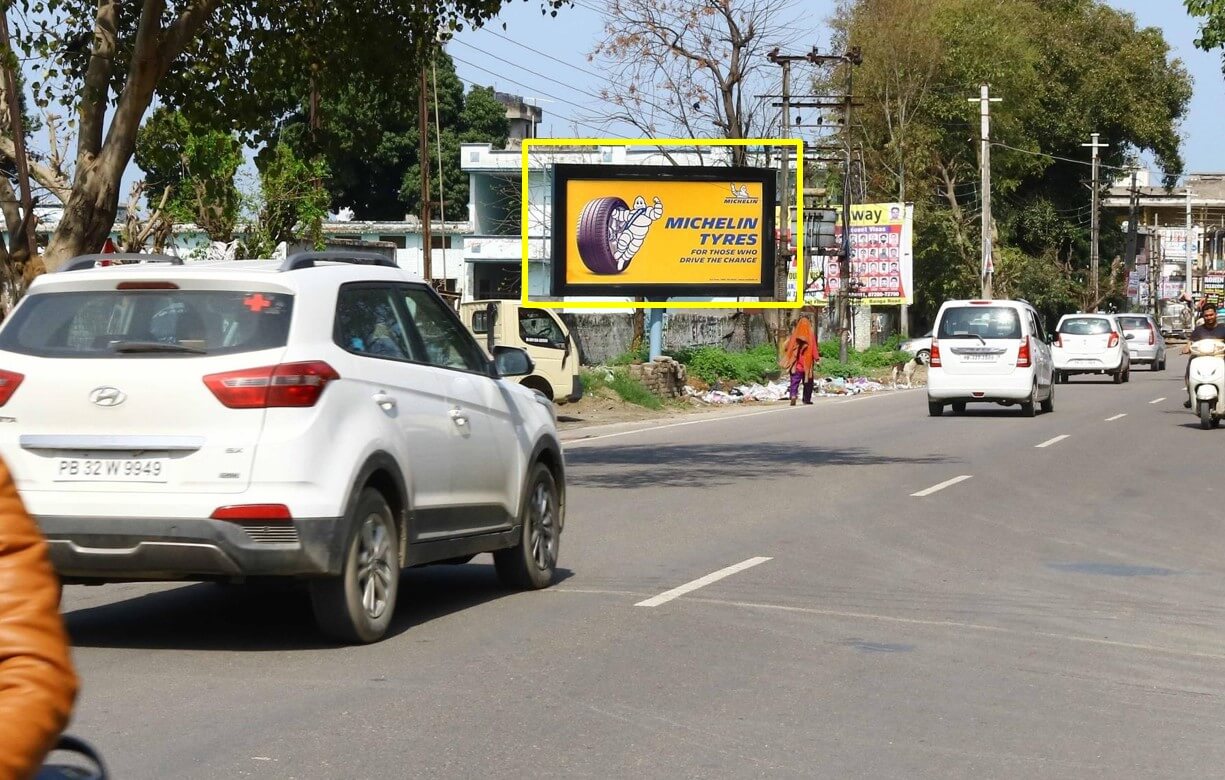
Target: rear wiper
156 346
970 336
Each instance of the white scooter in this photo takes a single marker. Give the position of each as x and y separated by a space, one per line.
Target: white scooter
1206 381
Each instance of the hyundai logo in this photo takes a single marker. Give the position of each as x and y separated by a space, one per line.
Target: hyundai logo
107 396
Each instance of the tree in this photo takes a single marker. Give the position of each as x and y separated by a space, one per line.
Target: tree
1064 68
191 171
229 65
292 202
368 134
693 68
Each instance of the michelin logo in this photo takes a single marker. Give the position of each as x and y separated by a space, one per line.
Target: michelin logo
740 195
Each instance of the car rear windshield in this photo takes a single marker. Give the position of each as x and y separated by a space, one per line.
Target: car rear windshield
985 322
1085 326
156 323
1133 323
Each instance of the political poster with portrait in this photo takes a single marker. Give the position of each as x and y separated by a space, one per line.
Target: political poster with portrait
881 256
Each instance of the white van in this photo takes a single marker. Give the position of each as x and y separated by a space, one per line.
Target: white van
538 331
989 351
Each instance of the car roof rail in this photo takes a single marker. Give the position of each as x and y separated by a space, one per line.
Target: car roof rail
81 262
308 259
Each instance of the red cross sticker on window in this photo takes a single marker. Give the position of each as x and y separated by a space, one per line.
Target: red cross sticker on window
256 302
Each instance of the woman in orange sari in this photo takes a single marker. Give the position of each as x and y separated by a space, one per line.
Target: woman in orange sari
800 356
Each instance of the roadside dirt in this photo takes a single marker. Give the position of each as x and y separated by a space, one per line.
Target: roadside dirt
604 406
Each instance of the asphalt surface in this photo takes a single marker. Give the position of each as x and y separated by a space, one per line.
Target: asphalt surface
1060 613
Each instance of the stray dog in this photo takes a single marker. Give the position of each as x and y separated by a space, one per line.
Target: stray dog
905 370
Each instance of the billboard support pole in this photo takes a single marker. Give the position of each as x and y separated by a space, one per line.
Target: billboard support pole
655 330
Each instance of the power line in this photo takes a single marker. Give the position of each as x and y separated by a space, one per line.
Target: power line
528 70
543 54
518 83
1057 157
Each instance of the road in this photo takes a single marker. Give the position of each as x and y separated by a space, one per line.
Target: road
1058 612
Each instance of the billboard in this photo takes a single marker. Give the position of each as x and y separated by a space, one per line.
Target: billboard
663 231
881 259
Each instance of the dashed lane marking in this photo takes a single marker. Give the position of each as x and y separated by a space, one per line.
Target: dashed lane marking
941 486
1049 442
700 582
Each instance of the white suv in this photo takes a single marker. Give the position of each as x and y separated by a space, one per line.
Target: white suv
326 418
995 351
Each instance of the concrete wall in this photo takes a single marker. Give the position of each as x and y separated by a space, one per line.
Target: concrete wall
603 337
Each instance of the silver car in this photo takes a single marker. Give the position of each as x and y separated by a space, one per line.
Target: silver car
920 347
1145 344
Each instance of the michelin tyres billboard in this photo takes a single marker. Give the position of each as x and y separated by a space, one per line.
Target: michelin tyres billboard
663 231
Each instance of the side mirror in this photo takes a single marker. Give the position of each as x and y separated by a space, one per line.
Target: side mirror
512 361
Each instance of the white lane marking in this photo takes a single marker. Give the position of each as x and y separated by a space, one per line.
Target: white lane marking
700 582
941 486
1116 417
1049 442
569 443
966 626
1157 400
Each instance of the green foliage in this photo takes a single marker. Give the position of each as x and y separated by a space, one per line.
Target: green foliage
197 165
292 202
369 136
627 388
1064 68
713 364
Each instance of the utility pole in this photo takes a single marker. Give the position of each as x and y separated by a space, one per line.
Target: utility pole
984 99
423 134
784 193
1133 215
19 139
1187 246
1095 228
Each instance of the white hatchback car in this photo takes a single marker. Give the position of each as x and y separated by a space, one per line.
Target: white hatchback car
989 350
1090 344
327 418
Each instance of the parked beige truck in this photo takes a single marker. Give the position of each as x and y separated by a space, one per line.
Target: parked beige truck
539 331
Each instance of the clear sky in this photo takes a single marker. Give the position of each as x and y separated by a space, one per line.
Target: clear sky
564 90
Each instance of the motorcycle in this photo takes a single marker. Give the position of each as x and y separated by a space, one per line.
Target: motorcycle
1206 381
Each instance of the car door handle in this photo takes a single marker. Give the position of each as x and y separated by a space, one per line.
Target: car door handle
458 417
385 401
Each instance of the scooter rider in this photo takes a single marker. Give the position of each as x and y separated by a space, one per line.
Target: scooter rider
1211 328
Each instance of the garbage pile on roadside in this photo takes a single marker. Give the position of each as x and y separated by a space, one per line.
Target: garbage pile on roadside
777 391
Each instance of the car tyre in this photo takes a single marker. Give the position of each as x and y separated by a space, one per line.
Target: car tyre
935 408
1127 373
1029 408
357 605
1117 376
1205 415
592 236
923 356
1048 405
532 563
959 407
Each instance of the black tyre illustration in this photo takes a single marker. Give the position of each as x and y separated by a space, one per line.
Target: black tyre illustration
594 243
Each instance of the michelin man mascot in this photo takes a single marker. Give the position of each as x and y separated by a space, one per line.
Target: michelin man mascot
627 229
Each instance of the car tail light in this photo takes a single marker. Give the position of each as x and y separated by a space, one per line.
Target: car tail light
1023 354
1058 342
288 384
252 512
1152 336
9 382
933 358
1114 340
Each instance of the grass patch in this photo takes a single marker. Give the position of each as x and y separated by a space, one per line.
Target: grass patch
713 364
618 381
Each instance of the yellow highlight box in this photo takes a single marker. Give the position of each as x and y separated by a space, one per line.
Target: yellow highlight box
796 144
